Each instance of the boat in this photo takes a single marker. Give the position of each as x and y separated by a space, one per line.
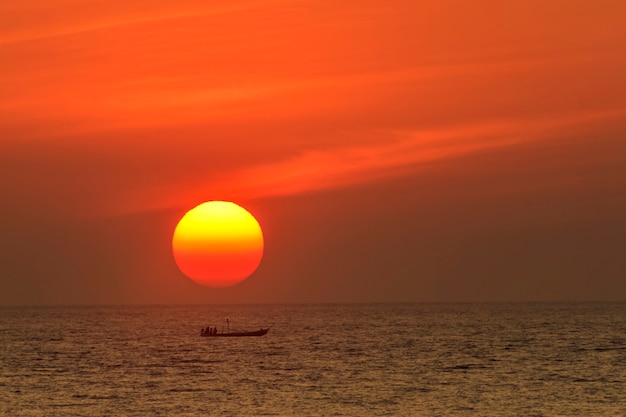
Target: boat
208 332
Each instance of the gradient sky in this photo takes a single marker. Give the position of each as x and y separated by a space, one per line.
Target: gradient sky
401 150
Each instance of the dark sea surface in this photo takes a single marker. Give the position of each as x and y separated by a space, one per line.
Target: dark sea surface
534 359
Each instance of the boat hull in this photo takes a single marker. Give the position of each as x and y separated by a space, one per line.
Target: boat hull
259 332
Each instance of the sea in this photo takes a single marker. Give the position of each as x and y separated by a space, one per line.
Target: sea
500 359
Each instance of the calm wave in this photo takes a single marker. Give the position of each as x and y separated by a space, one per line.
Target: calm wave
317 360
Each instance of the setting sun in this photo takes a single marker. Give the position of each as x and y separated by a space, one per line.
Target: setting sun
218 244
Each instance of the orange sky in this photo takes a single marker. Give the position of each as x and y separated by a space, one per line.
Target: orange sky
431 137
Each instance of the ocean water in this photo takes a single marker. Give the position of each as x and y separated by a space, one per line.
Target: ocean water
317 360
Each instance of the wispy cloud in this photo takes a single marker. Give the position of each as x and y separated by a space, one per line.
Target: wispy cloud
29 21
396 154
311 96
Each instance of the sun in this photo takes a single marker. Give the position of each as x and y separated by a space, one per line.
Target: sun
218 244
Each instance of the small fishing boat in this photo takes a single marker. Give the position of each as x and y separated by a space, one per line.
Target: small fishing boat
208 332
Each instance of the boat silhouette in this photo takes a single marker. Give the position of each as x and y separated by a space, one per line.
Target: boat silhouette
208 332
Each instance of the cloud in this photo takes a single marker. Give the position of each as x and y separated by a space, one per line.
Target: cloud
394 154
29 21
144 105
